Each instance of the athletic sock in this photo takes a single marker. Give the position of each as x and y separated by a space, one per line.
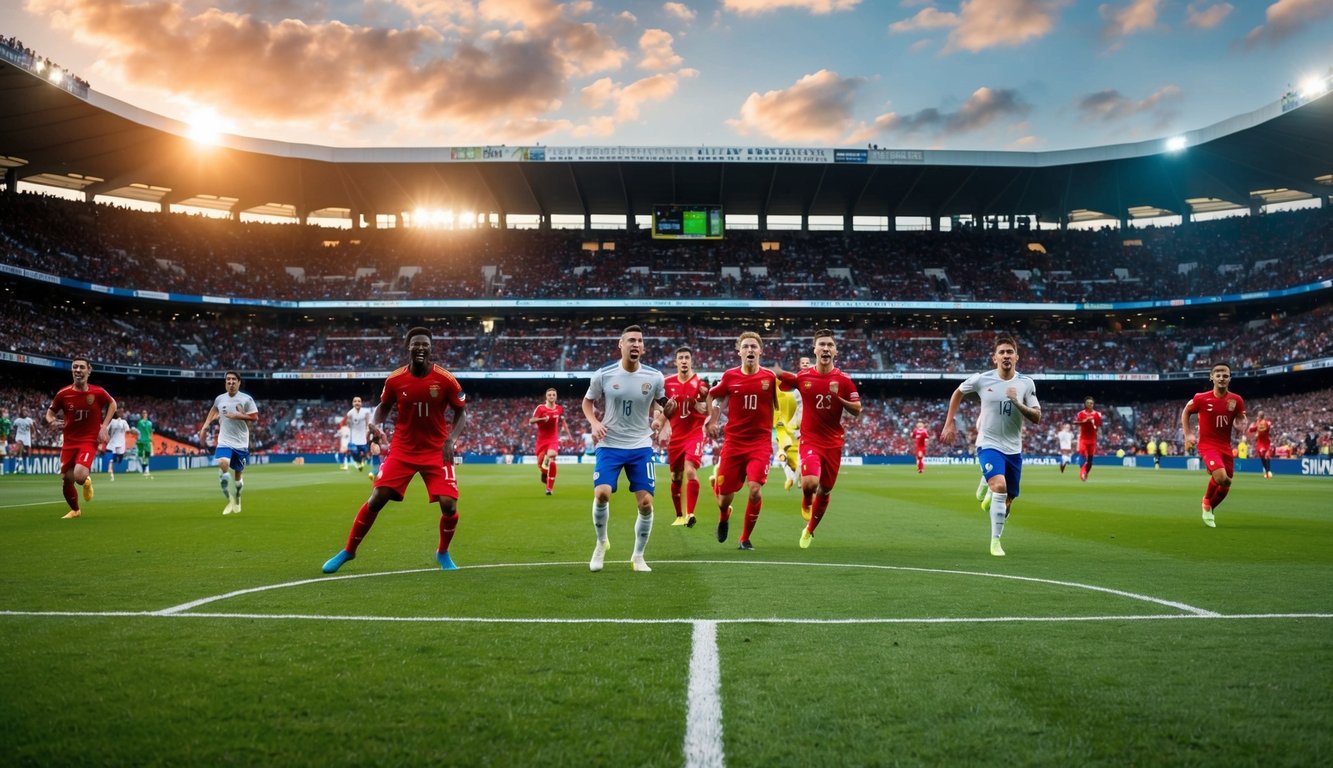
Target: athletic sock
448 524
1211 493
240 485
643 526
675 496
691 495
1219 495
360 527
601 513
550 476
71 494
997 513
751 517
222 480
817 510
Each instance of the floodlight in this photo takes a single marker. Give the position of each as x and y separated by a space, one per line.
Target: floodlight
1313 87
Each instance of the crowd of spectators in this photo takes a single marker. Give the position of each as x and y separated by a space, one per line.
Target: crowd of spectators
203 256
13 50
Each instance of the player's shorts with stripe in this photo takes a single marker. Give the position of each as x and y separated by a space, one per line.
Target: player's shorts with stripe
235 456
637 463
739 464
396 472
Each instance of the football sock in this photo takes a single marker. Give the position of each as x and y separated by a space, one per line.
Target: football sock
691 495
724 514
550 476
240 485
1220 494
920 464
222 480
643 526
807 498
448 524
997 513
600 514
675 496
751 517
1211 492
71 494
1087 463
360 527
817 510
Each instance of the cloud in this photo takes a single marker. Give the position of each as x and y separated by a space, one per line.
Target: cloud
626 102
1207 18
986 24
818 108
679 10
982 108
657 52
818 7
1285 18
1120 22
1111 105
926 18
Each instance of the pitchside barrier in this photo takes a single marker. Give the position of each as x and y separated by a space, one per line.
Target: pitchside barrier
1306 466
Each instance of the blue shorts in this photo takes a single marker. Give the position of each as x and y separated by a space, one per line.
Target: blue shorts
236 456
1008 464
360 449
637 463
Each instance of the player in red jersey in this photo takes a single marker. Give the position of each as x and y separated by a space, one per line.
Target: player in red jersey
688 395
77 411
423 443
1262 429
751 395
919 436
1220 410
826 394
550 419
1089 420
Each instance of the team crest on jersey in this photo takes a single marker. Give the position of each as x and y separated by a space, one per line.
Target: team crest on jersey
90 399
809 384
1231 405
989 466
764 384
434 390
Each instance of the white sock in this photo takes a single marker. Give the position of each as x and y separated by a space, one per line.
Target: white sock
239 485
601 513
642 527
998 513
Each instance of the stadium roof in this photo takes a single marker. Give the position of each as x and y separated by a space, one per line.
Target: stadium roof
101 146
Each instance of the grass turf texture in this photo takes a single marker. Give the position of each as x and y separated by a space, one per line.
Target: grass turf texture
243 686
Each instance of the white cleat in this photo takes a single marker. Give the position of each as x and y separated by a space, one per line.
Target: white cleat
227 510
995 548
639 565
598 557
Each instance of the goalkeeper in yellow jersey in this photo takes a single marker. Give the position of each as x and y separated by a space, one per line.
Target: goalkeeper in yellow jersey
786 425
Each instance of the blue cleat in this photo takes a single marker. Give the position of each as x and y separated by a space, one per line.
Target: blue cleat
446 562
334 563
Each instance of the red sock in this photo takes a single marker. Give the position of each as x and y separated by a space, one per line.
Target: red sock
751 517
691 495
550 477
807 498
675 496
360 527
817 511
448 524
920 464
1219 494
71 495
1208 494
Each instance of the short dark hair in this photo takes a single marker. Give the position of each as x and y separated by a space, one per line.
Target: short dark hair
84 359
1005 338
685 349
1086 398
232 373
631 329
824 332
417 331
1221 364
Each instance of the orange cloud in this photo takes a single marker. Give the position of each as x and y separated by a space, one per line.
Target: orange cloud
986 24
656 45
1120 22
1287 17
679 10
819 7
817 108
1207 18
926 18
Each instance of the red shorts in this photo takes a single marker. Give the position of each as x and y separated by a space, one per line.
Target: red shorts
823 462
81 455
395 474
920 453
1087 447
1264 451
1215 458
690 449
552 446
738 466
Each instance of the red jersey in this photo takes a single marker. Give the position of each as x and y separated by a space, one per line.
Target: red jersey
821 410
686 421
83 412
1262 429
1088 424
751 399
1216 415
920 435
421 427
548 431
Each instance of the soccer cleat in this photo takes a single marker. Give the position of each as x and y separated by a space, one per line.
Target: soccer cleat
806 513
236 508
920 471
722 527
1062 469
334 563
446 562
983 489
680 520
112 477
985 501
360 466
746 545
548 491
1083 473
788 484
598 557
806 538
995 548
636 563
231 507
689 521
1208 518
88 489
72 514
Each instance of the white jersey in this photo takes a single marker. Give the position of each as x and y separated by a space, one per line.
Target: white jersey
1066 438
628 403
115 431
344 438
358 422
23 430
234 433
999 423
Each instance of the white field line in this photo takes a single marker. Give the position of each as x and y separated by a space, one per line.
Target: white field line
703 712
32 504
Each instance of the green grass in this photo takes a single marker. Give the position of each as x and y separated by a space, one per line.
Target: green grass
1167 663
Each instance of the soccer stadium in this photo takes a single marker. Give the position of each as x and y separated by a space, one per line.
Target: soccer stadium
159 624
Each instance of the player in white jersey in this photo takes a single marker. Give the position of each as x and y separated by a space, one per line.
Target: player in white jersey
22 440
344 436
358 421
115 445
235 411
1007 399
632 396
1065 437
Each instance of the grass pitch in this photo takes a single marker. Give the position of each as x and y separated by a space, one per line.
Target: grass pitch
1117 631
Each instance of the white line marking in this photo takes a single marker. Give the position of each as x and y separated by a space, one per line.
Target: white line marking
32 504
703 712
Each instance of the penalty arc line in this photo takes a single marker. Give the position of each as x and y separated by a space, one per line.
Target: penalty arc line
623 621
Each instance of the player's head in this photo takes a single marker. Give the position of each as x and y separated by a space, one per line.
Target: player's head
1005 352
749 345
1087 403
143 414
825 347
80 368
551 395
356 402
684 359
232 381
1259 414
631 344
920 424
418 345
803 363
1220 375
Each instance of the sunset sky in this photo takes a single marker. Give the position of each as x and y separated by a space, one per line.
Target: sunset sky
976 74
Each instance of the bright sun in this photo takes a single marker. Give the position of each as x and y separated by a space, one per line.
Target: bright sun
206 126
